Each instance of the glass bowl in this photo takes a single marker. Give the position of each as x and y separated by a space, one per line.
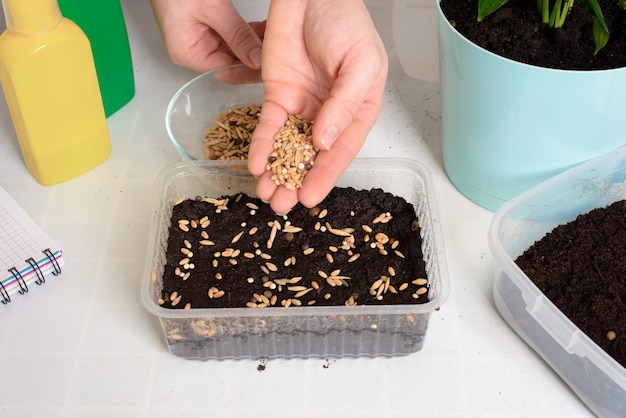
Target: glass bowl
197 104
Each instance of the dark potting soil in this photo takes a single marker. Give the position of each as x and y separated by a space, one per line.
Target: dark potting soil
516 32
356 247
581 268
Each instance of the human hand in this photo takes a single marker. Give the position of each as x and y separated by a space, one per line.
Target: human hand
324 60
206 34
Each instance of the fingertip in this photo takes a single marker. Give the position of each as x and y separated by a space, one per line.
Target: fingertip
255 57
265 188
312 197
283 200
255 167
328 137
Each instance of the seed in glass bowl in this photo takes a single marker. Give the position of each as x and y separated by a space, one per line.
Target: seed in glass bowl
230 137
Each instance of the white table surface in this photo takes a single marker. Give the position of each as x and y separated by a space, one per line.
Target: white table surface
83 345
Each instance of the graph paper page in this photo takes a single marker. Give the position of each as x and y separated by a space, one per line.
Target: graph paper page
20 236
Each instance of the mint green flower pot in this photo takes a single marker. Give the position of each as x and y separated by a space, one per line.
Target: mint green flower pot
508 126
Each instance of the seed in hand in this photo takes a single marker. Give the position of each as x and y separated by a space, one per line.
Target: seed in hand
294 152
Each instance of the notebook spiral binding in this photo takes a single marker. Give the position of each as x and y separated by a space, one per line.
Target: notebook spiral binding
55 263
33 264
20 280
4 294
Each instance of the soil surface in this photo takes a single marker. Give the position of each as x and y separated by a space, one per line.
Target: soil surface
356 247
516 32
581 268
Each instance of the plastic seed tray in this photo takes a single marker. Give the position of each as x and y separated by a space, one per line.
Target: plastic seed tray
323 331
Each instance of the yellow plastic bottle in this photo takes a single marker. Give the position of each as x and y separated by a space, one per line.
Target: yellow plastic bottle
51 87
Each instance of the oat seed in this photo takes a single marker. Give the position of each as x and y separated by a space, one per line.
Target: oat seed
303 292
230 137
236 238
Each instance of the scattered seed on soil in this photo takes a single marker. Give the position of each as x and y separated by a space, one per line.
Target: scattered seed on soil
246 272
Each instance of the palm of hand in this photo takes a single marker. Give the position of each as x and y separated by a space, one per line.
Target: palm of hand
315 64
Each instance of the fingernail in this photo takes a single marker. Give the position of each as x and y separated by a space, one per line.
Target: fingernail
255 57
329 137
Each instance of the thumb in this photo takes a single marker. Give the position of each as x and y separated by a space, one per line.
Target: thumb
239 36
343 105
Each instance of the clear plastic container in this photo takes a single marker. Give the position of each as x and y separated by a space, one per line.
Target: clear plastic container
593 375
295 331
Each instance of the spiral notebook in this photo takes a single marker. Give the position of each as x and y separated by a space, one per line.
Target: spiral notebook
28 255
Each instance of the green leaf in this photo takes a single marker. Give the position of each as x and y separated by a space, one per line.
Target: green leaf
600 34
544 9
592 6
486 7
560 21
555 14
